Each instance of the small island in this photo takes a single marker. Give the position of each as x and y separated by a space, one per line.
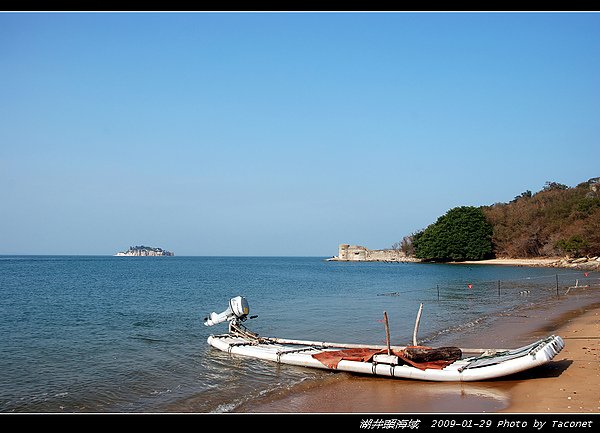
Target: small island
143 251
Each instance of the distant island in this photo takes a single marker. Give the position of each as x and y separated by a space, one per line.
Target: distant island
145 251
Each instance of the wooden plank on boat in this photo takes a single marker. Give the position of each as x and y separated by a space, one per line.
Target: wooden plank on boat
425 354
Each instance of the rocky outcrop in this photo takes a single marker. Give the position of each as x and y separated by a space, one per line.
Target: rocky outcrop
583 263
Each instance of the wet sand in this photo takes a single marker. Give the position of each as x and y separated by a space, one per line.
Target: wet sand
574 386
568 384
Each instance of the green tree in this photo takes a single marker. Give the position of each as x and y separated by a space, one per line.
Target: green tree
463 233
525 194
574 245
554 186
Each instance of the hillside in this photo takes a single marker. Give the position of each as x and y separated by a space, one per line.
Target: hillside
556 221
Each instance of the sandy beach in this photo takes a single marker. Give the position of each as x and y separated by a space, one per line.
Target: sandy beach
569 384
584 263
541 261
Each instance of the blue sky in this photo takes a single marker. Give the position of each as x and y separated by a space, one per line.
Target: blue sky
282 133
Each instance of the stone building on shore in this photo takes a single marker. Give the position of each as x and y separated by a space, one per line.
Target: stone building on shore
357 253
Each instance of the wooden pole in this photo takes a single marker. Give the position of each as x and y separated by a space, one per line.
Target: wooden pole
556 284
498 288
438 289
387 333
417 325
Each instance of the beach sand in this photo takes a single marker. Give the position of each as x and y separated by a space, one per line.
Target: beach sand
541 261
568 384
572 381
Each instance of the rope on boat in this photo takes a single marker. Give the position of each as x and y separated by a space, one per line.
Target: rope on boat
286 352
232 345
237 329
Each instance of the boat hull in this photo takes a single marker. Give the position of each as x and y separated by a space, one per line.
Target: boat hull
475 368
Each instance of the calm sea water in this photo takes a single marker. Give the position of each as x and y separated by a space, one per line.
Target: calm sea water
126 334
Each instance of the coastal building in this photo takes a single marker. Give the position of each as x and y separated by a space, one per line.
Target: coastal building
358 253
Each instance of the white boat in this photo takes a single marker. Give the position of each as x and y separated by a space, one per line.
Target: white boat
408 362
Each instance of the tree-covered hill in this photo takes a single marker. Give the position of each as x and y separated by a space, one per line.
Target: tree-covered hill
556 221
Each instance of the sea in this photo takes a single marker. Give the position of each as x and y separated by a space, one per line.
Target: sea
106 334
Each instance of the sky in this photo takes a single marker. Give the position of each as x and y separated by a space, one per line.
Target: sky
282 134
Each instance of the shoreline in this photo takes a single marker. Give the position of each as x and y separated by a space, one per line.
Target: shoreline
570 382
583 263
513 262
567 384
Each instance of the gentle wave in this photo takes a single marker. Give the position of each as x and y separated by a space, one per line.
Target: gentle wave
102 334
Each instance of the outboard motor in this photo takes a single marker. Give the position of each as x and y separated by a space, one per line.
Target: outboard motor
238 311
